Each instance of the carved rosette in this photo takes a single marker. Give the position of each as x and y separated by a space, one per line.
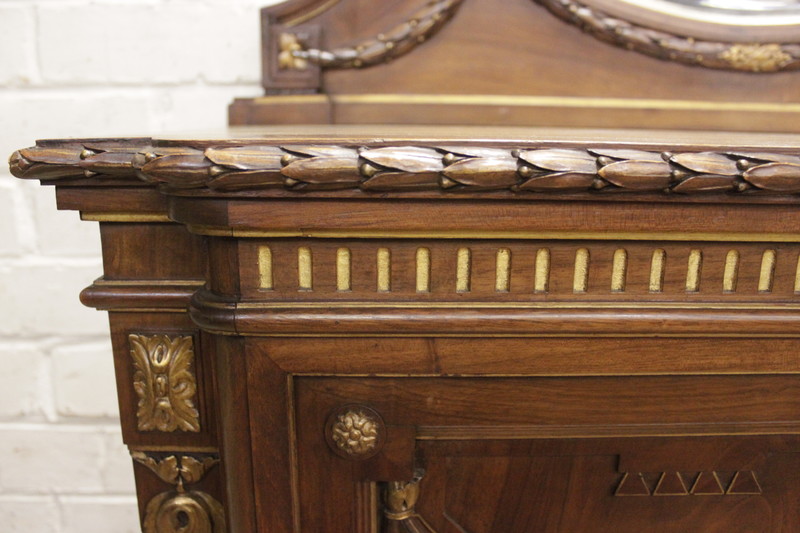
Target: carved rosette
355 432
181 510
164 382
442 168
748 57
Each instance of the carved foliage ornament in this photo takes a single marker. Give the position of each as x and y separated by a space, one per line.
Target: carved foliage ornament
383 48
749 57
181 510
451 169
164 382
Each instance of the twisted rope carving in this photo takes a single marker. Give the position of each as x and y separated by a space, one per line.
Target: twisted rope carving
423 168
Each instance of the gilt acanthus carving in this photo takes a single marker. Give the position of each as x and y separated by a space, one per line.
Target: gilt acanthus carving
182 509
164 382
749 57
398 41
442 168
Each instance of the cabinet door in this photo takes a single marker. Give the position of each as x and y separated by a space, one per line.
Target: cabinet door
544 454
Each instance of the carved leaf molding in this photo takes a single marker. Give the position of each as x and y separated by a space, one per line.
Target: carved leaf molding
748 57
446 169
386 46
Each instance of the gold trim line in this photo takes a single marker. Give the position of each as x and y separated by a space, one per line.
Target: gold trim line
460 234
562 101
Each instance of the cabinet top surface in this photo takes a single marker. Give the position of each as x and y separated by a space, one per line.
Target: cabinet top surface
419 134
383 161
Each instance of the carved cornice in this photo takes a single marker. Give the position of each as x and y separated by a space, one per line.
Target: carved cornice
398 41
446 169
748 57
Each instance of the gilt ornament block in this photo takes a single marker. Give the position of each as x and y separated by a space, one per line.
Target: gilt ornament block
165 383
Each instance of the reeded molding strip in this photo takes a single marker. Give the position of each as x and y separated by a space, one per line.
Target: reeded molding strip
730 276
541 282
265 267
384 260
463 269
657 268
401 168
767 273
423 270
580 281
343 271
502 281
693 271
619 269
305 276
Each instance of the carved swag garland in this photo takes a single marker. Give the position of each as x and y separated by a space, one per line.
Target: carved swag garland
426 22
449 169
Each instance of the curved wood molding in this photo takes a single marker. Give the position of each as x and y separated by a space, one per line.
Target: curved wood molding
398 41
399 169
214 314
747 57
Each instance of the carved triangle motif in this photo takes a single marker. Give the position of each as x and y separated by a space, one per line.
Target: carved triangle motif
632 484
670 484
744 482
707 484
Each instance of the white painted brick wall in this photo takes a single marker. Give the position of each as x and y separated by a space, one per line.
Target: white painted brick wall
87 68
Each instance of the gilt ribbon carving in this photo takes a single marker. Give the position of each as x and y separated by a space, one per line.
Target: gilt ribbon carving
164 382
181 510
442 168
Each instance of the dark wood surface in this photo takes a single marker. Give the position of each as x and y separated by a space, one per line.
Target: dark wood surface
518 62
572 361
358 326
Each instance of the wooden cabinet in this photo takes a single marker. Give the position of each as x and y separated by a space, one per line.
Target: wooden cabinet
349 327
448 330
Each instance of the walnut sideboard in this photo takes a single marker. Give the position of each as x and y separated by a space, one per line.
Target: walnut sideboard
353 330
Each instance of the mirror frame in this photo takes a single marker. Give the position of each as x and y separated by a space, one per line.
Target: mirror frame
747 48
